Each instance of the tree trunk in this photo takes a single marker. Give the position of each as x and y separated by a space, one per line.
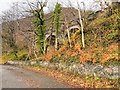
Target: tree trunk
68 32
81 23
44 47
56 43
34 49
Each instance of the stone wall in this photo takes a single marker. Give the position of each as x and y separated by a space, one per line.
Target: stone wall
98 70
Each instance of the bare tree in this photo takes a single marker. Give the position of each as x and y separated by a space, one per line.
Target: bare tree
9 30
13 28
28 32
103 3
81 23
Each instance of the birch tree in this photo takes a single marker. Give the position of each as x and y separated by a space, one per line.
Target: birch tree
68 33
80 21
81 25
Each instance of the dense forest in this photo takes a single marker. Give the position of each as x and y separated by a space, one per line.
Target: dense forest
65 34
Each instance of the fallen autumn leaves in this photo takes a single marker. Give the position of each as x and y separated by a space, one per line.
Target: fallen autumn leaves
76 81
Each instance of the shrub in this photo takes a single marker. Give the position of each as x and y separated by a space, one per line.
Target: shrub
50 54
22 55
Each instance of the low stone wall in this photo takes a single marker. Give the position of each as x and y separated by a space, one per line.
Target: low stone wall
98 70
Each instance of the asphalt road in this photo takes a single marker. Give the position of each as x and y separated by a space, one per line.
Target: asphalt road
14 77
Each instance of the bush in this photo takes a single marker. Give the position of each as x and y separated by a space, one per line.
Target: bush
22 55
8 56
55 59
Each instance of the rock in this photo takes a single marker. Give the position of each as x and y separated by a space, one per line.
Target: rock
97 70
33 62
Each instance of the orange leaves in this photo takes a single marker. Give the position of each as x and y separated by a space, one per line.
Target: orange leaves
105 55
76 50
49 55
81 52
112 48
105 58
62 49
110 53
84 57
94 61
77 47
94 54
74 54
108 56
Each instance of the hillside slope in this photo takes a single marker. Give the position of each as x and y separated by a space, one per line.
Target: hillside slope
101 36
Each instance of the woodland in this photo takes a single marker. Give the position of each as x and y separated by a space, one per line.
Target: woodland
64 35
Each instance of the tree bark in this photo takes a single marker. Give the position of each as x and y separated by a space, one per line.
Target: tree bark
68 32
81 23
56 43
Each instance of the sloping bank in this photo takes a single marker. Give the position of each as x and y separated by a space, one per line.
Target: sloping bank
98 70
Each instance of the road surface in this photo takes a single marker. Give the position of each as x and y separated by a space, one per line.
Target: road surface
14 77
